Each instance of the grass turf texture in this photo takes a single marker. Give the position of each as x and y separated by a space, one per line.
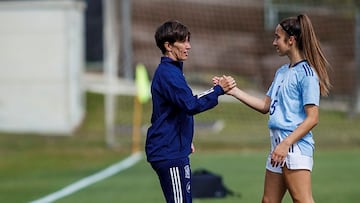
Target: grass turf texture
241 171
32 166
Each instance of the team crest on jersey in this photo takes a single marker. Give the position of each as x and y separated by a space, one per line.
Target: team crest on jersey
187 171
188 187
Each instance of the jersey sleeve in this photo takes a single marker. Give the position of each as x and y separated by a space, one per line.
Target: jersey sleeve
268 93
310 88
271 88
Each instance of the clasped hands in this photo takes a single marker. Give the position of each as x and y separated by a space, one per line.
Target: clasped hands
226 82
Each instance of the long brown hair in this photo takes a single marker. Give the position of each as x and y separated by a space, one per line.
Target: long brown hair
301 28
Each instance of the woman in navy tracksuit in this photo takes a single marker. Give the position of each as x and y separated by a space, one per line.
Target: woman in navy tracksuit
169 138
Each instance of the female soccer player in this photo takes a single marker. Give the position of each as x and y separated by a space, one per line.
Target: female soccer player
292 102
169 138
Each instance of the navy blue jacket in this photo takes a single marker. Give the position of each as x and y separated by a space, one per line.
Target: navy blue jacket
172 123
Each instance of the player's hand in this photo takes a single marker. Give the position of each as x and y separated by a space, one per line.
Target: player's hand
279 154
192 148
227 83
233 91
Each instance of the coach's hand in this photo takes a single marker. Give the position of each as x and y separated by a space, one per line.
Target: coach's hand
192 148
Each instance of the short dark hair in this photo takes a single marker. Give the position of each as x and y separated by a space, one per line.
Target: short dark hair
171 31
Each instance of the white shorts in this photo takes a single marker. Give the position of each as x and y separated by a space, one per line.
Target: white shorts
294 159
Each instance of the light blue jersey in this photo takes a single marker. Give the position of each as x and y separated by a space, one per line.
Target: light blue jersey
292 89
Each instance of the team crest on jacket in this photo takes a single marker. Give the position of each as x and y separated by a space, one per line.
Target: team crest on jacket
187 171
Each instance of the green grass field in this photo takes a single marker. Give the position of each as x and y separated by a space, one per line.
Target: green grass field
33 166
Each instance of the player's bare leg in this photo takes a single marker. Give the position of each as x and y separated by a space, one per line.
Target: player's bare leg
274 187
299 185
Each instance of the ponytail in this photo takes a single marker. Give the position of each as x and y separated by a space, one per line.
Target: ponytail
301 28
313 53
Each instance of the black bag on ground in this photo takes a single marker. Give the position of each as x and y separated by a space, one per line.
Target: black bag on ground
206 184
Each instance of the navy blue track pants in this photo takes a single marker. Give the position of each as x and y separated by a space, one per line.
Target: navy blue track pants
175 179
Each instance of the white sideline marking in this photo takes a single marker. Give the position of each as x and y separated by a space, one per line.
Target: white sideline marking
107 172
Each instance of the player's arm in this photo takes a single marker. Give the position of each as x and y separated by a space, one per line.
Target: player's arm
311 120
260 105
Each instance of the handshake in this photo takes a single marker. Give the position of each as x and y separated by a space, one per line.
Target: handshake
226 82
